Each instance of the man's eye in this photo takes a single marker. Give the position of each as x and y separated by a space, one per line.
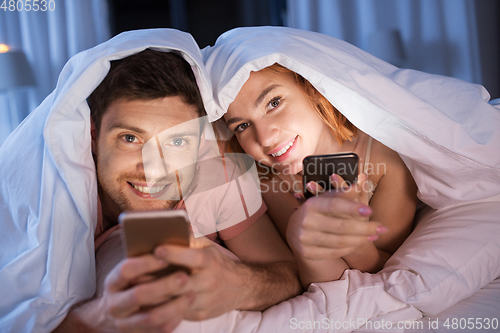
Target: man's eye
130 138
178 142
241 127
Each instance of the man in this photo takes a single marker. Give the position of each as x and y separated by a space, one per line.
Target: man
144 96
131 115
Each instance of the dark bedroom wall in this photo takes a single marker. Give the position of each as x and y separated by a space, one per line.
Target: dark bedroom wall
204 19
207 19
488 21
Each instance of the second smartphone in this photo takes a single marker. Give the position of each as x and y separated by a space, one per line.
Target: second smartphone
319 168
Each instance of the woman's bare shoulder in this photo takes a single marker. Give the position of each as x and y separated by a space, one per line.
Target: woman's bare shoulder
385 161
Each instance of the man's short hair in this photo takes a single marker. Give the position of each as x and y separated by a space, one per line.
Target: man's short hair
146 75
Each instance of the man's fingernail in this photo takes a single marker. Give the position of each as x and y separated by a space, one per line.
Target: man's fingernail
382 229
364 211
191 298
181 279
372 238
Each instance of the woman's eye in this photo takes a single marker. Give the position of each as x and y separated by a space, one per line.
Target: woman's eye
274 103
241 127
130 138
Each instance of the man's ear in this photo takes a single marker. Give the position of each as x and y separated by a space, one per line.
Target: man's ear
93 136
202 136
207 142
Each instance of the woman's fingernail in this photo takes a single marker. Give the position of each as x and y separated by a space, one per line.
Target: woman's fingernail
299 197
159 252
372 238
382 229
364 211
311 187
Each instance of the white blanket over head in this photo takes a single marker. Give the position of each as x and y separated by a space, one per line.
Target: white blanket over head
48 188
446 133
443 128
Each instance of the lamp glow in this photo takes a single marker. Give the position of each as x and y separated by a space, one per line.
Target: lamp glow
4 48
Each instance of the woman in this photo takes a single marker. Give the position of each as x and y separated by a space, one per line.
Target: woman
281 89
279 118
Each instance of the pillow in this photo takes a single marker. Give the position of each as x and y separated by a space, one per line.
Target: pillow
478 313
451 254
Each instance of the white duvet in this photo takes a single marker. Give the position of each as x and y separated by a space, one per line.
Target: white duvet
443 128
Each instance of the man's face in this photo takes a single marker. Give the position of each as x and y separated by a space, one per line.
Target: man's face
146 152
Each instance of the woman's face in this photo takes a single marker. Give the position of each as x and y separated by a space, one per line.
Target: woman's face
275 122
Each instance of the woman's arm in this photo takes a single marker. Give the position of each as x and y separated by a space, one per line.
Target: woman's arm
393 203
315 231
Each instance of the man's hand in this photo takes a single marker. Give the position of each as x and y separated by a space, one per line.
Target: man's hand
137 305
216 281
134 302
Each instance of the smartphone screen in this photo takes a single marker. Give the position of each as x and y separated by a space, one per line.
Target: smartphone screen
319 168
143 231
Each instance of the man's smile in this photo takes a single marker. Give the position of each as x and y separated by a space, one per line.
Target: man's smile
154 192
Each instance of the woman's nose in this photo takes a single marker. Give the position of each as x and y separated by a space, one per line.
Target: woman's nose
266 134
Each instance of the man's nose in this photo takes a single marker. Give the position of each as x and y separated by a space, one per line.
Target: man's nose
152 165
266 134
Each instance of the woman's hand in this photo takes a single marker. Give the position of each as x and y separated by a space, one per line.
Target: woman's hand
333 224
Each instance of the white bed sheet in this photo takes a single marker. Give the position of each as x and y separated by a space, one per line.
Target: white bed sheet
406 289
483 307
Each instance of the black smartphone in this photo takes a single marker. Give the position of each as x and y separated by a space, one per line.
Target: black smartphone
319 168
143 231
